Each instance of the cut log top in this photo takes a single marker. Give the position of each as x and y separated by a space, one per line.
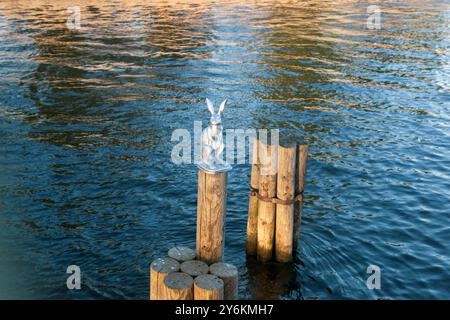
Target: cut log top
181 254
178 280
165 265
223 270
208 282
194 267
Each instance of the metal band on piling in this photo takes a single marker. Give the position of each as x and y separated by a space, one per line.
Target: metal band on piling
297 198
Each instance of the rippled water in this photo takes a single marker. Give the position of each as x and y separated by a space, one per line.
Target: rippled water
86 118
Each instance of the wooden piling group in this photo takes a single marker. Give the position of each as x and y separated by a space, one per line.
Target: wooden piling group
273 226
181 277
200 275
276 199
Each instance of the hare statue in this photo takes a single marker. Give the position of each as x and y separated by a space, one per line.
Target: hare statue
212 142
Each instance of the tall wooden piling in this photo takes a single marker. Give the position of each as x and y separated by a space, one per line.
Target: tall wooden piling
179 286
266 208
208 287
211 209
302 155
252 222
229 274
284 225
159 270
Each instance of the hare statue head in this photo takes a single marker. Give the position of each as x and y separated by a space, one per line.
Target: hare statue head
216 118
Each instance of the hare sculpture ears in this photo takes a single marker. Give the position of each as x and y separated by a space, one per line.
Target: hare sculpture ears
211 107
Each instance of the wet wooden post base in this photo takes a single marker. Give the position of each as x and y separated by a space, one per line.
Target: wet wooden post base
159 270
178 286
229 275
302 155
252 222
284 230
266 209
211 207
208 287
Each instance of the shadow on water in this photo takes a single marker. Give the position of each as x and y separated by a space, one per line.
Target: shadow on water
270 281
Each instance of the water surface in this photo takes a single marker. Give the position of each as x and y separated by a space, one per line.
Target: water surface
86 118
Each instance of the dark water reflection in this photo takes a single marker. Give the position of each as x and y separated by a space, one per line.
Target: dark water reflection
86 119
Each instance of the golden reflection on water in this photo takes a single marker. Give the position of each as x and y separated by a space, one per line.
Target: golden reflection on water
311 41
173 23
308 41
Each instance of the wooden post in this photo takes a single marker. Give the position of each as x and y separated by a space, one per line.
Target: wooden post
298 208
252 222
284 225
181 254
211 207
178 286
194 268
266 209
208 287
159 270
229 275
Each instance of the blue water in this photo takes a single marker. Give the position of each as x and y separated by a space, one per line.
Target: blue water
86 118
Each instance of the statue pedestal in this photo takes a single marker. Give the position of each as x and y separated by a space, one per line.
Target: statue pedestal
211 208
211 169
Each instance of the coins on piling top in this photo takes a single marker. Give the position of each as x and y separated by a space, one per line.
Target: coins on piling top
165 265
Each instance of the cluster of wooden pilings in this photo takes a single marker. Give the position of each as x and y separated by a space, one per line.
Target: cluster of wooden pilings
180 277
276 200
186 274
273 226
